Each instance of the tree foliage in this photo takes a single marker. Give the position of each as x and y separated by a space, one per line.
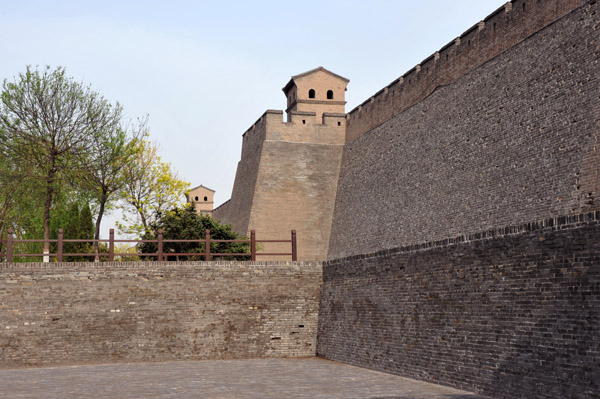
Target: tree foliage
77 223
15 197
151 188
48 120
105 175
63 147
184 223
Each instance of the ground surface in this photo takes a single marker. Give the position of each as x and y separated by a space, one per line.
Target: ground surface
248 379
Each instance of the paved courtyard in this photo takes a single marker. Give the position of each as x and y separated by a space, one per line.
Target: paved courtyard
248 379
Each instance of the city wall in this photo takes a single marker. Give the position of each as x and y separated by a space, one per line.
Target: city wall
499 128
513 140
437 269
77 313
236 211
497 33
287 180
510 313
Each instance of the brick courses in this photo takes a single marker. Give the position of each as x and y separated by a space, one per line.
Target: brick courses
516 139
74 313
497 128
510 313
287 180
501 30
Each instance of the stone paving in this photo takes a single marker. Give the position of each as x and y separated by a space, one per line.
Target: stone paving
248 379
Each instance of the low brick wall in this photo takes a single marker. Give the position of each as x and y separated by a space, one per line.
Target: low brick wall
511 313
74 313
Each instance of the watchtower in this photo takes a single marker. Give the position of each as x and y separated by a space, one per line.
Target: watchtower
318 90
287 176
203 198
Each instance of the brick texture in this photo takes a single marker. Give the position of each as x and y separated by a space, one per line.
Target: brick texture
287 180
510 313
507 26
513 140
111 312
236 211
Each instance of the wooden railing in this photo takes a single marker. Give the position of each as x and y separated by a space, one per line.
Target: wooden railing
160 254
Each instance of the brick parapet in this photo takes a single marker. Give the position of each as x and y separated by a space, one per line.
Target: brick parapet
300 123
505 27
304 127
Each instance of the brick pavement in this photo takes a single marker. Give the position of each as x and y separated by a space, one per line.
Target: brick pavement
248 379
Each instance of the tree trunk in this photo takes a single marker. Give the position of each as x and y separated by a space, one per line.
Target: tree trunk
48 203
103 199
143 218
1 236
3 216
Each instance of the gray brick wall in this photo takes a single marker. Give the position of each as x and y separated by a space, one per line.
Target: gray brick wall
73 313
513 140
498 32
511 313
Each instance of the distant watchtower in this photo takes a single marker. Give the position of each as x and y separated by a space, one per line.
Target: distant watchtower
203 198
318 90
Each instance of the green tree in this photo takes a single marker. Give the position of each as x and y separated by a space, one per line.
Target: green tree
184 223
71 230
9 198
46 121
20 199
105 177
87 229
151 187
77 223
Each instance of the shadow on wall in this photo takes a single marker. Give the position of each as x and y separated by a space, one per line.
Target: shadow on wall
565 370
513 316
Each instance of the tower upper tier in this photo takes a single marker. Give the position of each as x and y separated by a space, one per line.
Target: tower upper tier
318 90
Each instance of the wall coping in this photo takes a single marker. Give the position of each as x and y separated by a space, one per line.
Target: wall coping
153 265
556 223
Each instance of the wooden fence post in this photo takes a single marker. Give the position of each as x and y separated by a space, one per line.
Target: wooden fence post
160 246
9 245
294 247
111 245
207 241
59 255
253 245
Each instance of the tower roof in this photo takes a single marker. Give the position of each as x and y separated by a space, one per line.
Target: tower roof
201 186
289 85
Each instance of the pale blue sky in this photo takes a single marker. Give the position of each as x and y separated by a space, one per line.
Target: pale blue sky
205 71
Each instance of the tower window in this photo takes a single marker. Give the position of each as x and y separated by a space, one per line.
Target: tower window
330 94
205 198
196 198
311 93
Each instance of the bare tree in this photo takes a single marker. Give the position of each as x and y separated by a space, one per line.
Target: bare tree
46 121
